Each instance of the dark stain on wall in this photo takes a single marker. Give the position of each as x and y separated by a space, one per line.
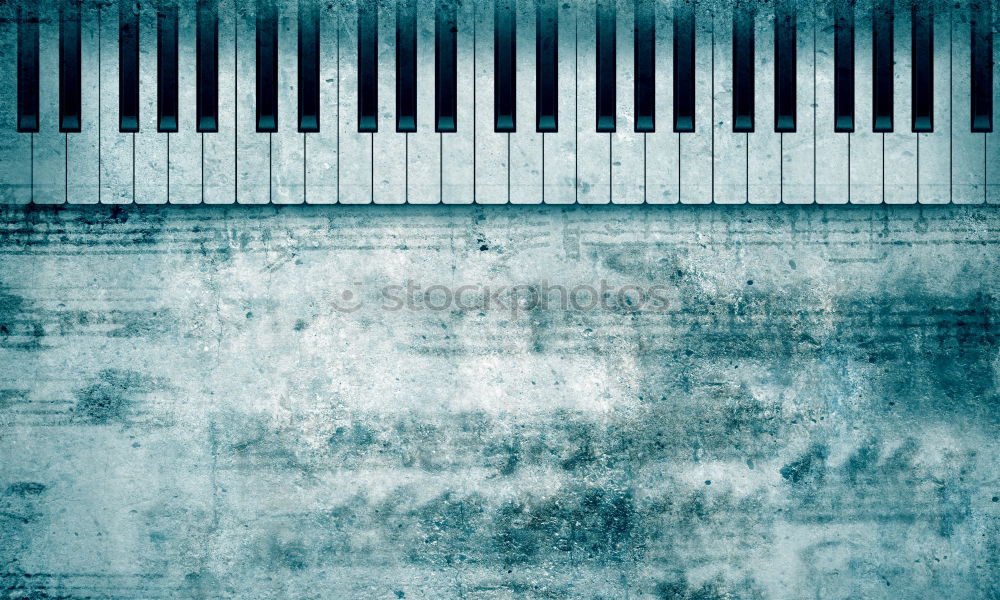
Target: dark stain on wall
113 397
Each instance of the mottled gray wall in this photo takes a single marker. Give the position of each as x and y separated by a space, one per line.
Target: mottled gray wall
812 413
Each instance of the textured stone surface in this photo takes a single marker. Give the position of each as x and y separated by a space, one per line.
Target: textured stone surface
808 411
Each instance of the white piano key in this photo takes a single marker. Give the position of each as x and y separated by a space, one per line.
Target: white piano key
526 144
730 155
993 138
560 147
150 145
492 149
219 179
901 144
184 148
49 152
696 163
764 168
82 151
15 148
287 150
356 173
797 149
661 146
322 147
866 145
968 167
593 148
934 148
116 151
423 161
253 149
628 151
832 148
458 175
391 161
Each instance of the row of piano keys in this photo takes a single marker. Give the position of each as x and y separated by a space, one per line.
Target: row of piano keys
591 102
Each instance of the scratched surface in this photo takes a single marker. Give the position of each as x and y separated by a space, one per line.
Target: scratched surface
223 403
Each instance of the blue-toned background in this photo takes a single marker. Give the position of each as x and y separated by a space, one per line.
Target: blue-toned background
217 403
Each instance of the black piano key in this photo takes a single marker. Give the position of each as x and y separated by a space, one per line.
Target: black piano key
27 71
843 65
785 66
743 66
504 66
684 75
445 67
367 66
645 66
547 65
267 67
922 84
208 67
166 67
69 67
882 66
128 66
308 63
606 85
982 67
406 65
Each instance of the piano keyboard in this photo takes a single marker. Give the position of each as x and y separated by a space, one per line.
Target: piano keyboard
498 101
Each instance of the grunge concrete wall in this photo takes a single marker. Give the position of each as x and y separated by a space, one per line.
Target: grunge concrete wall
222 403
